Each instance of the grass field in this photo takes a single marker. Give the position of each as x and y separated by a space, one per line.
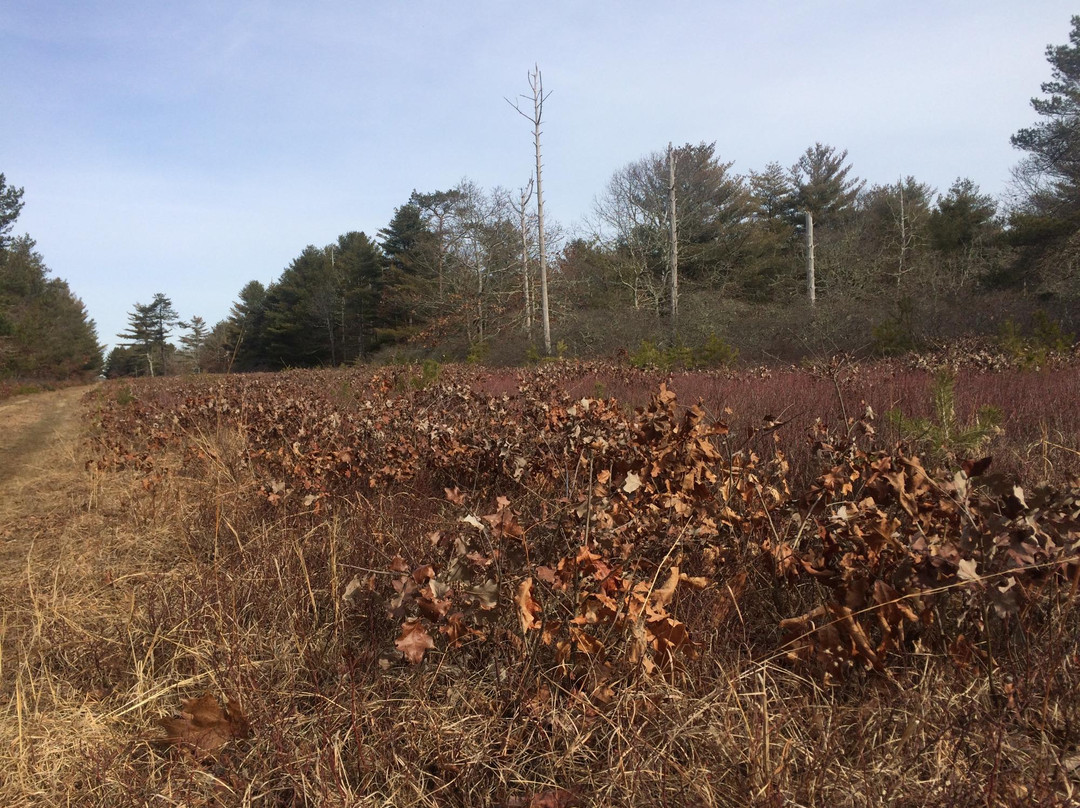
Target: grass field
580 584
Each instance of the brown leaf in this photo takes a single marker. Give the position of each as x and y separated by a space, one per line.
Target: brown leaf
662 596
586 643
549 798
695 581
528 609
203 727
414 641
554 798
975 468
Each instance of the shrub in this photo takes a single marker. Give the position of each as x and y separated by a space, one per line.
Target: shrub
1031 351
896 336
716 352
943 437
648 356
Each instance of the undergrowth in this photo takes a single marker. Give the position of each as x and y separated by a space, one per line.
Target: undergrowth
483 590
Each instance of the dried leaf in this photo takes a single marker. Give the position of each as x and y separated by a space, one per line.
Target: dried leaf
549 798
976 468
965 570
414 641
632 483
472 520
695 581
351 588
528 609
555 798
203 727
487 593
662 596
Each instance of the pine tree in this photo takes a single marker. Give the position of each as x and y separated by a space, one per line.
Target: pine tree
1053 144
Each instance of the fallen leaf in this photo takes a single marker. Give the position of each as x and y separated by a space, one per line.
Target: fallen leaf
414 641
662 596
472 520
203 727
965 570
976 468
528 609
487 593
351 588
549 798
632 483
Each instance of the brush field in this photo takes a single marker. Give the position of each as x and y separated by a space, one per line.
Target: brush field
574 585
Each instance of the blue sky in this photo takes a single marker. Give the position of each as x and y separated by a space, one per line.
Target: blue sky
189 147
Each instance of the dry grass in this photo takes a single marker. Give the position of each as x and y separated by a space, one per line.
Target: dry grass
121 597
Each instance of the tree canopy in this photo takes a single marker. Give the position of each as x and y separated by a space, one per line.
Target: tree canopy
45 332
1053 144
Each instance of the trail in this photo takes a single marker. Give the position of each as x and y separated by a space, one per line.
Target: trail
41 478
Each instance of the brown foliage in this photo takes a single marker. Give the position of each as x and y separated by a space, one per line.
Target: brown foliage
203 727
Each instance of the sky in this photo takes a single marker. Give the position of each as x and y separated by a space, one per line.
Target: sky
190 147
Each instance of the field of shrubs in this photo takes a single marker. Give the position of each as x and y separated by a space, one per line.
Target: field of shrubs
585 584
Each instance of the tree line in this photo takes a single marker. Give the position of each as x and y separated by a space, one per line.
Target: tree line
454 273
45 332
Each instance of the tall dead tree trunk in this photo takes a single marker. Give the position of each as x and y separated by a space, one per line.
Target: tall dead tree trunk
811 281
673 251
526 195
906 237
536 85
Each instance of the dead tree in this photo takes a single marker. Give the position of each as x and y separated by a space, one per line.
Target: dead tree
526 195
673 249
536 85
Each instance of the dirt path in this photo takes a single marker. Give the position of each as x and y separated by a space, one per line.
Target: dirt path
41 477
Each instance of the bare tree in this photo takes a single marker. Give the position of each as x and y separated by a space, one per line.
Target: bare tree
634 218
536 85
526 195
483 255
673 245
896 218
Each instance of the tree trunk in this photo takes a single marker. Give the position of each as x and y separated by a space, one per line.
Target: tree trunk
525 194
811 281
673 251
537 84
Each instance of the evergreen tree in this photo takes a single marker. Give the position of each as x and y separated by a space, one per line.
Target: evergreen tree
245 335
406 285
964 231
10 206
194 341
773 264
45 332
359 266
1053 144
149 327
963 217
302 309
822 185
713 210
